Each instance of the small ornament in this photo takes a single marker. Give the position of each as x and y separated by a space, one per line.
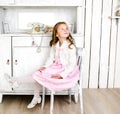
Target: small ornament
117 13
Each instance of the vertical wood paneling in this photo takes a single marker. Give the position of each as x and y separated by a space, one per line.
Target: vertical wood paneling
82 31
95 43
88 24
117 70
102 45
112 48
105 42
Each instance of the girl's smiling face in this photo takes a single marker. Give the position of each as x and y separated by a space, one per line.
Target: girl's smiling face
62 31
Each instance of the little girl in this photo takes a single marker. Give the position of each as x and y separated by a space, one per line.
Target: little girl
60 64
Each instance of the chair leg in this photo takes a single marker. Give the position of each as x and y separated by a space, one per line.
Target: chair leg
43 97
69 98
1 97
51 102
69 95
81 100
76 95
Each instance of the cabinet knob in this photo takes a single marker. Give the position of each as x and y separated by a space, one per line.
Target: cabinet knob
16 62
33 43
8 62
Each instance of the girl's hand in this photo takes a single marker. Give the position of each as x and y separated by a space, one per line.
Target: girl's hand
41 69
57 76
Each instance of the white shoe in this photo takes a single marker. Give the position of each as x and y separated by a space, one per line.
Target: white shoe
34 101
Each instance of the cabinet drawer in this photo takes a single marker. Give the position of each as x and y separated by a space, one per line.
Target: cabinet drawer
31 41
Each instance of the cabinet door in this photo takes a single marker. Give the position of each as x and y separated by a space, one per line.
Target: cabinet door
26 60
5 62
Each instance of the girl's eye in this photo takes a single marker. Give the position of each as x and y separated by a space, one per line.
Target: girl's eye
62 29
65 29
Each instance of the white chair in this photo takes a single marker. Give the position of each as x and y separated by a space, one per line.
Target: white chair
72 91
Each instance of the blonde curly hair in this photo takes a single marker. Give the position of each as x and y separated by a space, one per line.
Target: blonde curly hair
55 38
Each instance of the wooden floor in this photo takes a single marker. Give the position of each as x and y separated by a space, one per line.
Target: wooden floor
96 101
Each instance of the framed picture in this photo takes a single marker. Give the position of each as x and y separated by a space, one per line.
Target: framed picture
6 28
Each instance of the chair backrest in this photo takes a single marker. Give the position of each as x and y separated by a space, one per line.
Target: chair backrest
80 53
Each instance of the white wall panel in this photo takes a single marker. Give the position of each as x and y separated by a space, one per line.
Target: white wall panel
88 21
105 43
112 46
101 64
95 43
117 65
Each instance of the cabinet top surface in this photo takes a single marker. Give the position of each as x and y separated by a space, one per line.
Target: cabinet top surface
30 35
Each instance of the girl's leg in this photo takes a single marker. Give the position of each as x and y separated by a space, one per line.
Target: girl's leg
36 98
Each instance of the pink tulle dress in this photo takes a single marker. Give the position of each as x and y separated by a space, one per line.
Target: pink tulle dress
44 77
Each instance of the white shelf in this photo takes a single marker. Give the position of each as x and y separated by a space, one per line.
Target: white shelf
40 3
114 17
69 11
35 35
